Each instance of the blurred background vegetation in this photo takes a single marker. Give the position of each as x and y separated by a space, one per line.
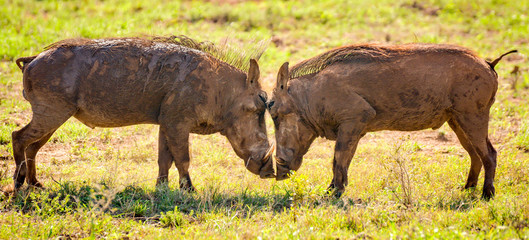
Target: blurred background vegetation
297 29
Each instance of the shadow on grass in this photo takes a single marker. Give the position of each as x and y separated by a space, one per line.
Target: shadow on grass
147 204
153 205
462 201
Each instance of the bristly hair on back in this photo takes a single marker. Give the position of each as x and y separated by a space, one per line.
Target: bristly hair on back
234 56
366 53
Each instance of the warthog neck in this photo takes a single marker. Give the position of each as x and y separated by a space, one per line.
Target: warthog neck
306 109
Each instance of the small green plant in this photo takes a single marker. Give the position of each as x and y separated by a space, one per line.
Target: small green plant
172 218
46 205
102 197
301 190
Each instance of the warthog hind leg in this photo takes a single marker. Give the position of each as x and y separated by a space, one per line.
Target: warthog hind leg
475 161
31 153
28 140
474 129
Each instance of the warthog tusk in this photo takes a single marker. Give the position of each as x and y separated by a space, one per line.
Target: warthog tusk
270 151
279 161
267 155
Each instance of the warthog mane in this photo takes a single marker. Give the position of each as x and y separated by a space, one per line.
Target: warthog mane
366 53
238 58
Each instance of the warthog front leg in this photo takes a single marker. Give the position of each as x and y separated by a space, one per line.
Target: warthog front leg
347 140
165 159
175 148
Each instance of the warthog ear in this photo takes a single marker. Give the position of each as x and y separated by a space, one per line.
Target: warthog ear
282 77
253 73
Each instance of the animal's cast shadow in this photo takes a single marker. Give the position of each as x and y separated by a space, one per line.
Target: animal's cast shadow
148 204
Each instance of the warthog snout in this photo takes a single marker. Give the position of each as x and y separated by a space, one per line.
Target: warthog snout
262 166
286 161
282 169
267 171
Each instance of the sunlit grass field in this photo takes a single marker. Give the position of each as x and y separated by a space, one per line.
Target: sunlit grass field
100 183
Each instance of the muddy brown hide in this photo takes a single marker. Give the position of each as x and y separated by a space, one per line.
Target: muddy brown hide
113 83
385 87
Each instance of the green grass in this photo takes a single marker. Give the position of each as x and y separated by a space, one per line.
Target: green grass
100 183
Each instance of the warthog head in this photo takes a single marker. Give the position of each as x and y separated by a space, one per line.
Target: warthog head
245 126
293 135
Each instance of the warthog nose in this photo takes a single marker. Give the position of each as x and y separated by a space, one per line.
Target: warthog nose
267 175
267 171
282 176
282 171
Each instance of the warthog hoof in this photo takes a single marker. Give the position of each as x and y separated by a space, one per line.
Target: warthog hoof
37 185
488 193
190 189
471 185
332 190
18 185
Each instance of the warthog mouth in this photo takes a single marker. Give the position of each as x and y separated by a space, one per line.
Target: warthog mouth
265 170
282 169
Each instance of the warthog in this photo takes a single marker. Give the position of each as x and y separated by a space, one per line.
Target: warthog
346 92
171 81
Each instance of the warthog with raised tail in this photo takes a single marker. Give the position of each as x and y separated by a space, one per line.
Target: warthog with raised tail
346 92
182 85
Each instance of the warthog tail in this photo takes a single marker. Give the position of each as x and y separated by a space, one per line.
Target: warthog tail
493 63
24 61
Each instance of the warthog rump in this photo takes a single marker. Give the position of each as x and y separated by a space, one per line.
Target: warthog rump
346 92
171 81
